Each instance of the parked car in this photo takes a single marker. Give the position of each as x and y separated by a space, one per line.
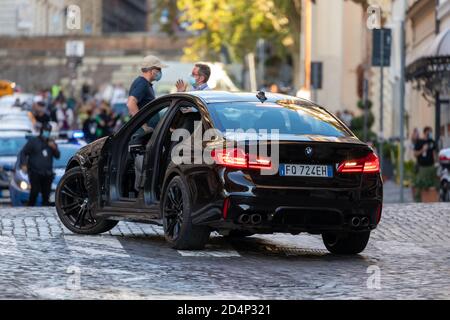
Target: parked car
25 100
18 125
19 187
10 145
327 182
444 173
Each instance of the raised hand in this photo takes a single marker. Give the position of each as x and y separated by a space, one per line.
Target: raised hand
181 86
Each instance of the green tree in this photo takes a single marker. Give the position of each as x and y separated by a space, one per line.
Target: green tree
357 124
237 25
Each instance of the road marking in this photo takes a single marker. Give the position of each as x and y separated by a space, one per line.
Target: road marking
8 246
210 252
91 246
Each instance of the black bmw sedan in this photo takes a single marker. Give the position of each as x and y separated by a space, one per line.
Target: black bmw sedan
236 163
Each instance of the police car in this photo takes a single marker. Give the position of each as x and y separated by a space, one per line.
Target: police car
11 142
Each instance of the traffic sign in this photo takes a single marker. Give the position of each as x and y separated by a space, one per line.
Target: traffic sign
379 46
75 48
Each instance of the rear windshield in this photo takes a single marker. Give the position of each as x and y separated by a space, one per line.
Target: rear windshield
288 117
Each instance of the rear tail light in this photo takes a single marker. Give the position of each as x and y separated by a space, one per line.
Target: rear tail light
368 164
238 158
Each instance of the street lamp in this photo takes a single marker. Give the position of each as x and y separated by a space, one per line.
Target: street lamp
402 97
305 91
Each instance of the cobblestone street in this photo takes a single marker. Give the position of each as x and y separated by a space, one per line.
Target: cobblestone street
40 259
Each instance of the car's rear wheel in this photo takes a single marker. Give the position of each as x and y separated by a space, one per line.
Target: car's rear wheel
73 206
346 243
177 221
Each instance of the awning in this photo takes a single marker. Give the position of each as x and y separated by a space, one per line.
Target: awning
432 68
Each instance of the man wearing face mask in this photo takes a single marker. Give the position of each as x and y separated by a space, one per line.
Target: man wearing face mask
141 90
142 93
425 152
198 79
425 148
37 159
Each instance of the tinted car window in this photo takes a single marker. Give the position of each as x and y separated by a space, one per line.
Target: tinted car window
11 146
287 117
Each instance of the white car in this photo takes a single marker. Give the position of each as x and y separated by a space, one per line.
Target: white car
18 125
25 99
444 173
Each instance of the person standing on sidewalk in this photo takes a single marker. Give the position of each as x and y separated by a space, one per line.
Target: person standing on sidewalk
37 159
425 153
198 79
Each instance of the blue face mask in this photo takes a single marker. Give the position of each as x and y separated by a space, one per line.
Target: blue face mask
192 81
158 76
46 134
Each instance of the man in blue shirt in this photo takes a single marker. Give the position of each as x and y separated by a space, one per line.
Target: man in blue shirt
198 79
141 90
141 94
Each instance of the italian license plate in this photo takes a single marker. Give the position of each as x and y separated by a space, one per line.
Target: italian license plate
306 170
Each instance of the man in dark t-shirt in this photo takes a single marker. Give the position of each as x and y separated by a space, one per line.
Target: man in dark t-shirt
141 91
425 149
425 152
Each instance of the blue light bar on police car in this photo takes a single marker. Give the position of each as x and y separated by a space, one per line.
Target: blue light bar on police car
78 134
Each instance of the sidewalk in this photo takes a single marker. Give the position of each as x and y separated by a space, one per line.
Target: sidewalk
391 193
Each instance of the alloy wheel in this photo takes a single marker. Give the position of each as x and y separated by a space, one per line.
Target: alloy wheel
75 203
173 211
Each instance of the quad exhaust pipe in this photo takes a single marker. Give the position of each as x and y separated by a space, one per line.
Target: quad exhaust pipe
359 222
356 222
253 219
365 222
244 219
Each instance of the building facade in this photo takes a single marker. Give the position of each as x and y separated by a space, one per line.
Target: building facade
32 17
428 21
339 44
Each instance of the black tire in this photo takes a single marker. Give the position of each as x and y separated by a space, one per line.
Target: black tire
236 234
347 243
177 221
73 207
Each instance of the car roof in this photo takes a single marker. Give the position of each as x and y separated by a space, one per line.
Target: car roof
17 126
13 134
210 96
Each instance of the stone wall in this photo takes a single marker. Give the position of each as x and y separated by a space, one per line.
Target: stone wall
36 63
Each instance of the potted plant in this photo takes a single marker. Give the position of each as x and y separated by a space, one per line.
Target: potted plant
426 185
